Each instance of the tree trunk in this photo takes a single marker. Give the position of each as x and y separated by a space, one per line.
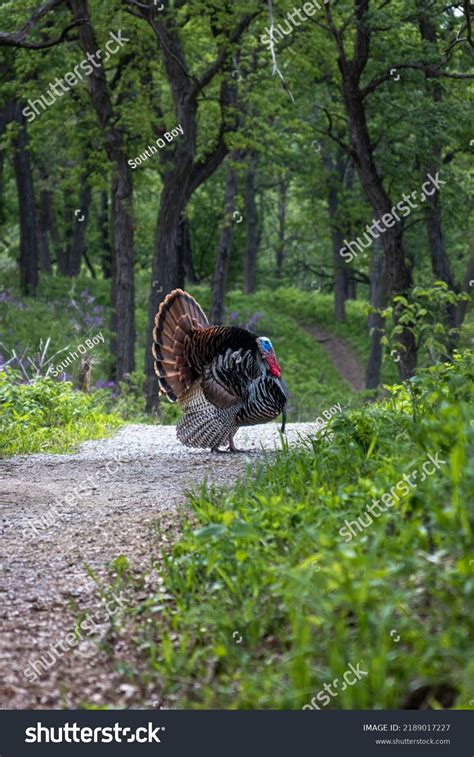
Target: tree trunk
396 266
468 287
280 247
350 283
166 270
251 246
123 296
183 175
26 205
339 277
79 230
439 258
104 234
63 252
44 220
335 176
123 283
378 299
219 281
184 241
178 185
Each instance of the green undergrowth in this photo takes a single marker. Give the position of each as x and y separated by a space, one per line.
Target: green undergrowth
264 600
48 416
68 312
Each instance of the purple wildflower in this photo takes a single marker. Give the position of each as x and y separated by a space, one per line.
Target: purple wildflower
100 384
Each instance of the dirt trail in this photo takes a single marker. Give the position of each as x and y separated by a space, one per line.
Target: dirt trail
127 486
343 356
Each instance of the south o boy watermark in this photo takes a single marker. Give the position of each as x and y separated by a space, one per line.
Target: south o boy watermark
89 344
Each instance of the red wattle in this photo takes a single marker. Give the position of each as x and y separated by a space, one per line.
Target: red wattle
275 369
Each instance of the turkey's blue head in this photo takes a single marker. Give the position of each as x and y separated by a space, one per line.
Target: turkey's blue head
268 353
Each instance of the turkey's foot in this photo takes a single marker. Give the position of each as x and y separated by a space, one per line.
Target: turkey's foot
232 447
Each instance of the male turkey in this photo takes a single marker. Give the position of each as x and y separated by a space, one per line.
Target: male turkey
223 377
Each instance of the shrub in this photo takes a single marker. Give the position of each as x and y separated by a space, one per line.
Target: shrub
47 415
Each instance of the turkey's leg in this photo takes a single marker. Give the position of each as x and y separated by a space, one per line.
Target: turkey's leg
232 447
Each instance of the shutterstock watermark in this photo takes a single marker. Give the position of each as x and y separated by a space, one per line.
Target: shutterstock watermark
404 208
309 9
401 489
61 86
83 489
325 695
70 733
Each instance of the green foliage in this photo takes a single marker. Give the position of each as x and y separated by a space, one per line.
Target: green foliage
425 313
47 415
265 562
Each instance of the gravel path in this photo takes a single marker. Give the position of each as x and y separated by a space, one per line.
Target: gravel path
58 512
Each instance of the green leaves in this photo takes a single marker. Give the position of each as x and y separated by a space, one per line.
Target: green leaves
47 415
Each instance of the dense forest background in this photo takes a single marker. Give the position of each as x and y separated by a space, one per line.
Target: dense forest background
194 151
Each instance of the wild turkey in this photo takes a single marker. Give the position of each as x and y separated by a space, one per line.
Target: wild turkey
223 377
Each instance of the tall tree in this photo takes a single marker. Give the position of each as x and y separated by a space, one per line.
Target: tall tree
26 203
436 243
361 148
185 171
219 280
251 223
44 223
123 287
335 170
282 193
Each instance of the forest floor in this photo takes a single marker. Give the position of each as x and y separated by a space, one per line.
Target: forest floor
129 489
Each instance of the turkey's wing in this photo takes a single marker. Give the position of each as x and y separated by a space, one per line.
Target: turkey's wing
226 379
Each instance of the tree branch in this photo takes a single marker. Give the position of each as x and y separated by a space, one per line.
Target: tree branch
329 132
18 38
337 34
216 65
362 40
203 168
427 68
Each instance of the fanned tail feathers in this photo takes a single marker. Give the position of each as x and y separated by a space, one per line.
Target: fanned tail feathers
177 315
